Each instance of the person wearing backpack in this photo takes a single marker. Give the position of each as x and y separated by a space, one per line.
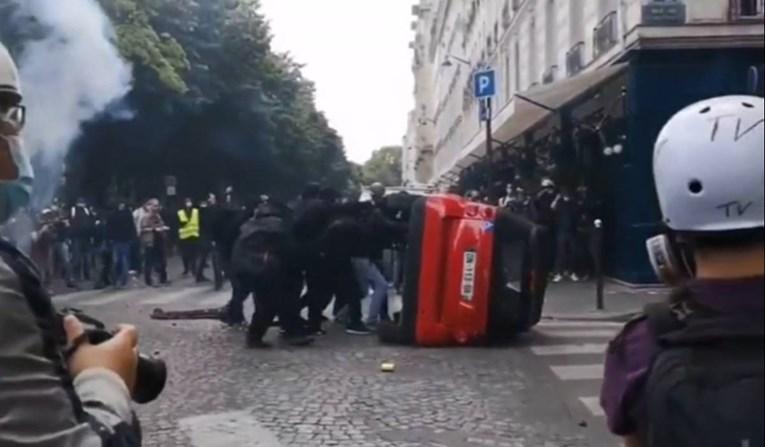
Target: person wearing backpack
264 264
689 372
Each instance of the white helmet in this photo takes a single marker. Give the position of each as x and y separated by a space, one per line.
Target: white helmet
709 166
9 74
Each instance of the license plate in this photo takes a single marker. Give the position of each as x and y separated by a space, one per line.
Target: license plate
468 275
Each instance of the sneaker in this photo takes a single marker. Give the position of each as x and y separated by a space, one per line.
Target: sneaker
357 329
575 278
557 278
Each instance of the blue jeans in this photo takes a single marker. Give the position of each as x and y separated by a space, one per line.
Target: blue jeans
121 257
370 276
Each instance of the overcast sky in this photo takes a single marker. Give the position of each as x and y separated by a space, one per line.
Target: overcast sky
357 53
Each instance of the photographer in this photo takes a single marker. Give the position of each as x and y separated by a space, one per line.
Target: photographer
45 400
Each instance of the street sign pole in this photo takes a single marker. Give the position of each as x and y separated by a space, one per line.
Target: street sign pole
490 149
485 89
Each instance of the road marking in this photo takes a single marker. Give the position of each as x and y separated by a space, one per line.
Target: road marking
578 324
165 298
579 372
235 429
593 405
217 300
572 349
74 297
104 300
594 333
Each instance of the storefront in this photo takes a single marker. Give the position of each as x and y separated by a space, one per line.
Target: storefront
598 130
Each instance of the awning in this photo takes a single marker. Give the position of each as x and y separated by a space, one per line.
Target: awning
554 96
520 116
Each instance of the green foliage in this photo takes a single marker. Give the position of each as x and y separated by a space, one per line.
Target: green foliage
384 166
140 43
214 105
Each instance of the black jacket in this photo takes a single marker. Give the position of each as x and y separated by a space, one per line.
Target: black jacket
120 227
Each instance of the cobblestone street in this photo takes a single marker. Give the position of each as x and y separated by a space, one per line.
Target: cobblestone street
334 393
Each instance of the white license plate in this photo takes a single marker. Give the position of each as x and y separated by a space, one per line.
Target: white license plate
468 275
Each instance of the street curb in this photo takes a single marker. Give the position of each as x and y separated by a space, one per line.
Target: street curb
594 317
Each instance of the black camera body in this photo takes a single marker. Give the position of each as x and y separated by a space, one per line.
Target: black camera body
151 375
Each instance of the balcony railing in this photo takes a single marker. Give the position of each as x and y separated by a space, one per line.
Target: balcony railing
575 59
550 74
606 34
746 9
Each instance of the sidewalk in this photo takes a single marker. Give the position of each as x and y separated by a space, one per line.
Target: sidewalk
578 301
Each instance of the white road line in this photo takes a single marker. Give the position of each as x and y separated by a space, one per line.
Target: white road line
160 299
595 333
578 324
75 297
219 299
579 372
571 349
593 405
104 300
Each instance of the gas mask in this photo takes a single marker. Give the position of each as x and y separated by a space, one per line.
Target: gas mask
671 259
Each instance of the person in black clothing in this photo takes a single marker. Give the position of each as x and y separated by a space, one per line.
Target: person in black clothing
264 264
102 250
209 213
328 237
81 233
120 231
565 210
61 248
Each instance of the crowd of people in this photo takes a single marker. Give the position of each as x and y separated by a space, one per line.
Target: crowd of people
82 245
570 215
331 248
304 256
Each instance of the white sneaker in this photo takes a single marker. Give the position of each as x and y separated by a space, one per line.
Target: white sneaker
575 277
557 278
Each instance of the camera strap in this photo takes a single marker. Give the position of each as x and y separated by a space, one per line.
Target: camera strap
42 310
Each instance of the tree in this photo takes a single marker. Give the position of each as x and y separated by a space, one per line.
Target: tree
212 105
384 167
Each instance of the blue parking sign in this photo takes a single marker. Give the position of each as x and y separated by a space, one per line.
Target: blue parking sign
485 85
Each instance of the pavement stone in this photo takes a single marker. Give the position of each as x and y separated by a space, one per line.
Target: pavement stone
334 394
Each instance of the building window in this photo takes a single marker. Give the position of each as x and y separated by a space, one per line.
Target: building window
533 51
551 36
750 8
517 66
576 16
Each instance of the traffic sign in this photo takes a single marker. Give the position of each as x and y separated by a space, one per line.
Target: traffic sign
485 84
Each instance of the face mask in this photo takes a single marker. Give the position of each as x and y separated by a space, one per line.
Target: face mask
16 177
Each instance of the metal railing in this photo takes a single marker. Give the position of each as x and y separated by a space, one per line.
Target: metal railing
606 34
575 59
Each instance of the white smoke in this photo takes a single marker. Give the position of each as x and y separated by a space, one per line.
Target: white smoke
69 77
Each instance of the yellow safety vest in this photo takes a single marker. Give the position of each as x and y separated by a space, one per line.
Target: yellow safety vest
189 225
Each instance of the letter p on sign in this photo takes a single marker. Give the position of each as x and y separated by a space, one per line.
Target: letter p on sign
485 85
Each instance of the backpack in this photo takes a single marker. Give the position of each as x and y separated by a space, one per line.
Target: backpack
705 388
262 249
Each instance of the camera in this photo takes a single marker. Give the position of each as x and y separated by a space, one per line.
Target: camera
151 375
